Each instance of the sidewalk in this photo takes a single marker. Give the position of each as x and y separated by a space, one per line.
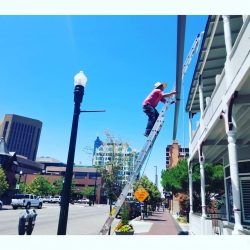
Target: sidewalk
160 223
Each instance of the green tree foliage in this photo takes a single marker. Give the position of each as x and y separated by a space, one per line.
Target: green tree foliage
176 180
57 186
3 182
111 181
88 192
125 213
154 193
112 177
40 186
25 188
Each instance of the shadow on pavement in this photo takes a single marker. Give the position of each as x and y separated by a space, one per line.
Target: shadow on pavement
148 219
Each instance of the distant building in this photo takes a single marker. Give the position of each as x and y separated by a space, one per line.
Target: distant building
12 165
49 162
174 153
97 144
83 176
121 152
21 134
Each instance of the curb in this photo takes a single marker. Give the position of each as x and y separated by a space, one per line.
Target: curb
179 228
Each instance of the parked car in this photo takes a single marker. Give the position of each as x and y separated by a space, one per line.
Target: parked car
1 204
56 199
83 201
27 201
135 209
48 199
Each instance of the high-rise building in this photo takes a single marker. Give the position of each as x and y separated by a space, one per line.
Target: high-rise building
97 144
21 134
118 152
174 153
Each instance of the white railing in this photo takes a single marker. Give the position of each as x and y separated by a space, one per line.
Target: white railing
215 103
207 226
195 226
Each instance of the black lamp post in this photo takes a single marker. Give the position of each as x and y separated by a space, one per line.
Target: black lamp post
80 82
94 199
20 175
18 182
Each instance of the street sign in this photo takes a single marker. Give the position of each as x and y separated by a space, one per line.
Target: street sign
141 194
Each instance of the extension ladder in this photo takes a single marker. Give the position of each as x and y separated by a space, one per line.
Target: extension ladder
138 165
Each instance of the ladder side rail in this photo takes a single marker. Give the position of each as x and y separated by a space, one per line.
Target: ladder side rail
138 164
190 55
125 190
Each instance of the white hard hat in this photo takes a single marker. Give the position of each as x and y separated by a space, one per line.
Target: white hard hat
158 84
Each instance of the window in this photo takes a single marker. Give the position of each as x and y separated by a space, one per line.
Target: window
245 198
5 128
244 167
79 175
92 175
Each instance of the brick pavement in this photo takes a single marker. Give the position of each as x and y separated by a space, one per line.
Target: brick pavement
160 223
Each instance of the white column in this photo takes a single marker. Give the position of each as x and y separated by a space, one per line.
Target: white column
234 173
203 198
190 189
201 96
190 127
227 34
228 43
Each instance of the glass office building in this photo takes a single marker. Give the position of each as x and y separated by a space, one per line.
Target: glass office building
21 134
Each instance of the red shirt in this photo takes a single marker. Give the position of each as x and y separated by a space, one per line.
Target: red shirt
154 97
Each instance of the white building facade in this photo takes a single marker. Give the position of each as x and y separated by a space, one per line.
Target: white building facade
219 99
122 152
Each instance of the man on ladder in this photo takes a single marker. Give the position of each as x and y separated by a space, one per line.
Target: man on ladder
150 103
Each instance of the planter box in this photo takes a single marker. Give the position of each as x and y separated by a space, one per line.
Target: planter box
124 233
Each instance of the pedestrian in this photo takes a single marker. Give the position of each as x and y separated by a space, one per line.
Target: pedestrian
150 103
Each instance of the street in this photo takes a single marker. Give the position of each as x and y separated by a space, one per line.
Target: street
82 219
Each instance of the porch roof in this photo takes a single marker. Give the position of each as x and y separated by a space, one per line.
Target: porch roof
211 59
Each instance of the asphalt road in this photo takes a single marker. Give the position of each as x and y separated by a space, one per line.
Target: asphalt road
82 219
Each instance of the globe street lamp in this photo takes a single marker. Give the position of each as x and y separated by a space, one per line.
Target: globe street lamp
20 175
19 180
80 82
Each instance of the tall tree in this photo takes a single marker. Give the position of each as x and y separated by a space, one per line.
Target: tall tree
57 186
25 188
40 186
3 182
154 193
88 192
176 180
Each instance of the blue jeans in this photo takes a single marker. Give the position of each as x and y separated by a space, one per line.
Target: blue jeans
152 114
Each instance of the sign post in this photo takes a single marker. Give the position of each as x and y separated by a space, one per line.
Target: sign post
141 195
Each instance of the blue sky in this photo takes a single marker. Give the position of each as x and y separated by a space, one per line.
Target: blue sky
122 56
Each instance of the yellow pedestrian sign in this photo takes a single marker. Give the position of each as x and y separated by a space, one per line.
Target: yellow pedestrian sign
141 194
